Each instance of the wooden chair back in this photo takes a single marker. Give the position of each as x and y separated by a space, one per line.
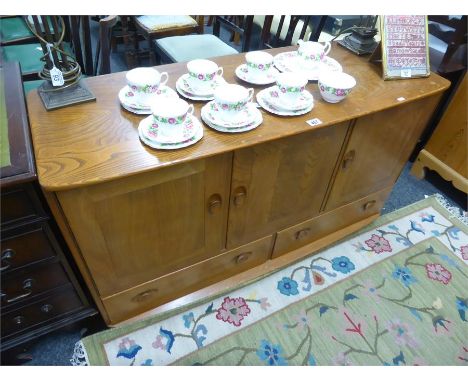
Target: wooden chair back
240 25
103 48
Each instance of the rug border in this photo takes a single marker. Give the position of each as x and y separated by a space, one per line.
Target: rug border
94 344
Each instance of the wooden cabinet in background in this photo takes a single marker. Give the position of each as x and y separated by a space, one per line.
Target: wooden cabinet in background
149 226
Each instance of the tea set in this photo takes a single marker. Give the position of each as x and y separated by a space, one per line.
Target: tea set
230 107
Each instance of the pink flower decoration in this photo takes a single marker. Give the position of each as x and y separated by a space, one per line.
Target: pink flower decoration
341 360
172 121
464 252
302 320
438 273
158 344
130 94
274 94
283 90
200 76
260 66
378 244
233 310
402 333
134 87
225 106
370 291
264 304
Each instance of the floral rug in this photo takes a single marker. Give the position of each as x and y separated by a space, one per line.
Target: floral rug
394 293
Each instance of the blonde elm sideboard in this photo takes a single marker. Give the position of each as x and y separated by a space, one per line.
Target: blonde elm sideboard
148 226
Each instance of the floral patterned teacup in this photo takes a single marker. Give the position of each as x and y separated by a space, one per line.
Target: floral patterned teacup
169 117
290 86
258 64
144 84
312 53
231 99
202 75
335 86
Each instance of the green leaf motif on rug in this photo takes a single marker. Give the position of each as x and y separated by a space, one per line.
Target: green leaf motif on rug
409 309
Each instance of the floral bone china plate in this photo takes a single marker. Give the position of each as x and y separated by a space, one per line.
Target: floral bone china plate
264 100
126 99
242 71
304 101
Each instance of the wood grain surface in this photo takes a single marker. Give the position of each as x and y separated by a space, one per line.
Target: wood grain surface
96 142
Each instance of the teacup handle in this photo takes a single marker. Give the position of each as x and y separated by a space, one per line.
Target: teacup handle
161 81
251 93
327 48
220 71
190 110
299 42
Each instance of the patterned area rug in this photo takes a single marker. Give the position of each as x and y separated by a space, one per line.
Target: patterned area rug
395 293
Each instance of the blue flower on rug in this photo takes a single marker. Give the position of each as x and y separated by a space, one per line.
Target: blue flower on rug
462 307
288 286
342 264
404 275
271 354
128 348
188 319
148 362
417 227
425 217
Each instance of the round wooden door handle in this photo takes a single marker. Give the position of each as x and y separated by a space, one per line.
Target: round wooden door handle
302 233
144 295
239 196
243 257
214 203
348 159
368 205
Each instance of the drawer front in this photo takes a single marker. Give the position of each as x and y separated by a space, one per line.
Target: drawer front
19 287
313 229
26 245
20 204
149 295
40 312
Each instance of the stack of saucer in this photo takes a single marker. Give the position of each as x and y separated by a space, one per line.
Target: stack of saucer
199 84
171 126
144 86
232 111
288 97
258 69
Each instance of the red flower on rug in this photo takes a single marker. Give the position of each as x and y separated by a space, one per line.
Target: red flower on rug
438 273
378 244
464 252
233 310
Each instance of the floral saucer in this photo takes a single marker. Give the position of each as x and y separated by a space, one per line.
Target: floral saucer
245 117
207 117
149 135
184 88
303 102
242 71
290 62
264 100
126 99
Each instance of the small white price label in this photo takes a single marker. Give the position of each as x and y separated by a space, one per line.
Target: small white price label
56 76
405 73
314 122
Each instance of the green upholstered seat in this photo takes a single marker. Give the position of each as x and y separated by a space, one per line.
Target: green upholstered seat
190 47
13 29
28 55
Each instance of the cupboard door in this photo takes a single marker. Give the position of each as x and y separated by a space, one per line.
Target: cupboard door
136 229
280 183
379 146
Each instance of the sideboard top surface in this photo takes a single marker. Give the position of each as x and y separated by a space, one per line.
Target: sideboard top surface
98 141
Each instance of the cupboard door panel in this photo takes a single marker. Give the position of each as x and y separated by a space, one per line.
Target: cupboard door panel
139 228
279 183
379 146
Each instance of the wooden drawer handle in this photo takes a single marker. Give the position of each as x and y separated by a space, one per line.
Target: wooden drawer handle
348 159
27 287
7 254
239 196
243 257
214 203
144 295
368 205
302 233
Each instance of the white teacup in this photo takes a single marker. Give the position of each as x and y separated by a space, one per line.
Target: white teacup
231 99
291 86
258 63
145 83
335 86
169 115
202 74
312 53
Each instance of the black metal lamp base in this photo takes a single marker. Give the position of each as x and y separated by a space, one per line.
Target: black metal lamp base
72 95
360 42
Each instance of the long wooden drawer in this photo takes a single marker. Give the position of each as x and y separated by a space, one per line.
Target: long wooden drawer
21 286
151 294
44 310
20 204
313 229
26 245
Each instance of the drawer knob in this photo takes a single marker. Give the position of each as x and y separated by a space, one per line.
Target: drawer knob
239 196
243 257
302 233
144 295
214 203
7 254
19 320
348 159
368 205
47 308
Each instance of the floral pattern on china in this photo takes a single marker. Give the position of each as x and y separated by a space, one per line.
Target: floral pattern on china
203 77
302 102
247 116
146 89
332 90
236 106
258 66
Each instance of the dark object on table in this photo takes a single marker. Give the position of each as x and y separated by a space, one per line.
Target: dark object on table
361 40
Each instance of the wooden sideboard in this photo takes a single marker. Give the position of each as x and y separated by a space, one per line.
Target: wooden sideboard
39 290
148 226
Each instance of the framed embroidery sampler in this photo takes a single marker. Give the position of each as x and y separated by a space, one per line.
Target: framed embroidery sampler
405 46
